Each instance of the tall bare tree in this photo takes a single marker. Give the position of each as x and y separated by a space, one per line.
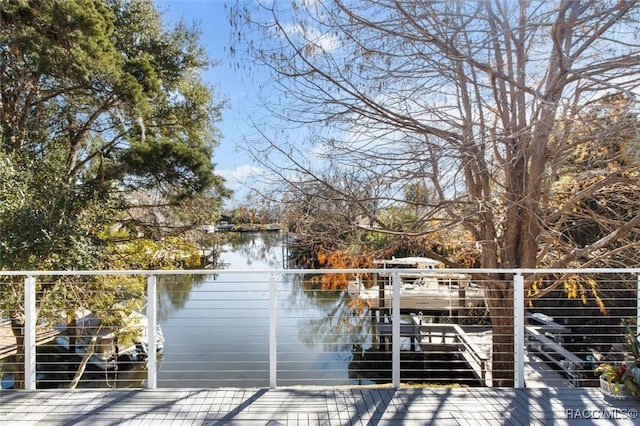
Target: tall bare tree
481 99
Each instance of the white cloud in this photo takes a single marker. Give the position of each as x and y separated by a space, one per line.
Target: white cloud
241 176
241 181
315 39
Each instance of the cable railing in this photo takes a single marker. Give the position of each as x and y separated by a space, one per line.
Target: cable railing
286 327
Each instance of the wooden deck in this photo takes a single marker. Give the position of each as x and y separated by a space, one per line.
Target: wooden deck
317 406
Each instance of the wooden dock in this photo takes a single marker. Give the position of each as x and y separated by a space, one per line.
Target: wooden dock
452 338
441 338
475 345
8 344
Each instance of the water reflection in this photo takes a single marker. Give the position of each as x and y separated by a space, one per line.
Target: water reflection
216 329
218 334
339 328
241 250
173 293
249 249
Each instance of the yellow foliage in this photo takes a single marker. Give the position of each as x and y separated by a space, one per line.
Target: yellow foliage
575 285
594 291
571 287
533 291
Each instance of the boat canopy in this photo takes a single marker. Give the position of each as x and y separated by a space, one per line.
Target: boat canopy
409 262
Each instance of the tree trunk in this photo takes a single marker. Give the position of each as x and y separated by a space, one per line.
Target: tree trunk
83 364
501 311
17 327
71 333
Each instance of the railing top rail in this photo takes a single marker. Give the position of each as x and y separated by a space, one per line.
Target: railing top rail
280 271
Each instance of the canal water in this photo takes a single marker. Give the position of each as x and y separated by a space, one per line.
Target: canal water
216 331
216 327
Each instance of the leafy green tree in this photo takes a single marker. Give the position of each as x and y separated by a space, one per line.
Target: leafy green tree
106 135
105 108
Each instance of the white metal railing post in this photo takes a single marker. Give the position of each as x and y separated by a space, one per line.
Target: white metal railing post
273 343
30 318
518 330
152 367
395 332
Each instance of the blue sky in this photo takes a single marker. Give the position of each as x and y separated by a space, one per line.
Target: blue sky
229 84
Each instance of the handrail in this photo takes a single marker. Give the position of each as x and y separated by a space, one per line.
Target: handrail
469 350
276 275
472 351
282 271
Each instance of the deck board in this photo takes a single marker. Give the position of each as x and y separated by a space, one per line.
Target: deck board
315 406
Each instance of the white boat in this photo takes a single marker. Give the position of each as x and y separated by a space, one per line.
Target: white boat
108 350
423 290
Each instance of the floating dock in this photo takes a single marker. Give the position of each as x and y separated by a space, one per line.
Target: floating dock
8 345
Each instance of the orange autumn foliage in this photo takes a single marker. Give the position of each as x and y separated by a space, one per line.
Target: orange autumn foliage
341 259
